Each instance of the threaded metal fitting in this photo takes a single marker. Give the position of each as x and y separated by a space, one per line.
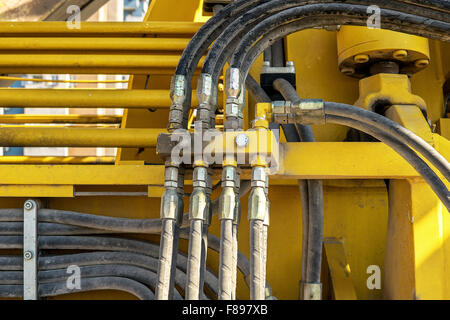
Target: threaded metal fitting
198 205
170 204
227 204
233 83
257 204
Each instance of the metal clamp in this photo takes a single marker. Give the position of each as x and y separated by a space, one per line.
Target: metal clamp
30 250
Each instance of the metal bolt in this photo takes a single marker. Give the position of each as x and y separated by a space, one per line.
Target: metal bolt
28 255
422 63
362 58
242 140
400 54
348 71
28 205
290 64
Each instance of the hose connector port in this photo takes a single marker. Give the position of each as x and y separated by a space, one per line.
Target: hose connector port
178 91
306 112
257 203
206 99
198 209
227 200
235 101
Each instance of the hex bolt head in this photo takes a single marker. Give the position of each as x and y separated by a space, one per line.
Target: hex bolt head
28 255
28 205
242 140
361 58
400 54
348 71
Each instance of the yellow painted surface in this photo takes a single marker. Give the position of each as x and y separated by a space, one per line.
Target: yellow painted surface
403 229
45 191
340 271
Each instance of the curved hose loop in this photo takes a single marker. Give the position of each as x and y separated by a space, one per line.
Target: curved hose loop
436 29
394 129
407 153
425 9
87 284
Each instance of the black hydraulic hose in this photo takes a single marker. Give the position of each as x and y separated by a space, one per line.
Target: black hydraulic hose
404 22
46 263
394 129
138 274
407 153
256 50
226 260
167 250
101 243
78 219
48 229
201 41
194 267
257 250
314 200
252 17
87 284
255 90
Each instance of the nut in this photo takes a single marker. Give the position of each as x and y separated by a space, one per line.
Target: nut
205 88
29 205
178 88
28 255
233 80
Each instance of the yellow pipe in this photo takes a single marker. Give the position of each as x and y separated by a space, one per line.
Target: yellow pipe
89 64
55 160
78 137
90 44
72 118
99 28
86 98
61 81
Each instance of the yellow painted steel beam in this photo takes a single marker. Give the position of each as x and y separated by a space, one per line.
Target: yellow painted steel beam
88 64
92 44
82 174
86 98
56 118
379 162
55 160
78 137
343 160
38 191
99 28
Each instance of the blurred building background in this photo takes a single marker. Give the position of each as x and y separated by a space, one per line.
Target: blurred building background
56 10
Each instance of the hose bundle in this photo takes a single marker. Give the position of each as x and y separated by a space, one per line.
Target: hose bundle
241 31
109 263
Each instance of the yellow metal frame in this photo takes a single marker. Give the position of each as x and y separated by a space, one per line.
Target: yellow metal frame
362 217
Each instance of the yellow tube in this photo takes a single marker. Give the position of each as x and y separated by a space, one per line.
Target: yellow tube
71 118
55 160
86 98
90 44
89 64
100 28
78 137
